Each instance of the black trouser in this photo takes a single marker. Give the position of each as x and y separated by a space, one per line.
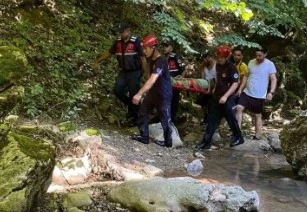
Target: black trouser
204 101
128 81
175 104
216 113
149 103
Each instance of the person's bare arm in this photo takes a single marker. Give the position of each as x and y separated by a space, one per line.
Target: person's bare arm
145 67
230 91
242 85
273 80
148 84
103 57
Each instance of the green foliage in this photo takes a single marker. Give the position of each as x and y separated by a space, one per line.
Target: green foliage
237 7
60 49
61 41
260 28
295 83
234 39
286 13
67 126
13 64
172 28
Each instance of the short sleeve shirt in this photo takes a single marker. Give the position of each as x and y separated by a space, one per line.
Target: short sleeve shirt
258 78
226 75
242 69
210 73
162 88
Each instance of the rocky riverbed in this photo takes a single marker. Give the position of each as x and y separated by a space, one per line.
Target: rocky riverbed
115 158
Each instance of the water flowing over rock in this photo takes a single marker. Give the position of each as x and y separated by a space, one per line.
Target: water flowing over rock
294 145
182 194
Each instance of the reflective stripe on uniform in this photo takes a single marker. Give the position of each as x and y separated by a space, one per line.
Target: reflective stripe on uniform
120 54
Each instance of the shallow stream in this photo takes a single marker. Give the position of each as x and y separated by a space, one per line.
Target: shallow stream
269 175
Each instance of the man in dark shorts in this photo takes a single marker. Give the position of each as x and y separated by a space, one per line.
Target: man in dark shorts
158 89
223 101
261 72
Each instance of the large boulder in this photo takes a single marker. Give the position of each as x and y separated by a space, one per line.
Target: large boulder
251 145
294 145
156 133
182 194
26 166
13 64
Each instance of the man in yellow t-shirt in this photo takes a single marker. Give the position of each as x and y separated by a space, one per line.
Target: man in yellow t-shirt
242 69
241 66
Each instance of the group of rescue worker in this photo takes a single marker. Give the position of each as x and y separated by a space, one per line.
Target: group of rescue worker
237 86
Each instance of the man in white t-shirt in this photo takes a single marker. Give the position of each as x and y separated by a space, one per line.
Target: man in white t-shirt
208 72
261 71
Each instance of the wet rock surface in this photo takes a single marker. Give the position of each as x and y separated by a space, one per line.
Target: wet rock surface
182 194
118 154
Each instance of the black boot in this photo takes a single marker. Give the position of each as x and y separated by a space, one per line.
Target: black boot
203 146
164 144
141 139
237 141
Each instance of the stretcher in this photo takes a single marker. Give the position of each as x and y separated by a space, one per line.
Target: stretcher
202 86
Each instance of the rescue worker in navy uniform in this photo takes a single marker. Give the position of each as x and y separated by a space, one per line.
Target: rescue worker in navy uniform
175 68
158 96
223 101
130 57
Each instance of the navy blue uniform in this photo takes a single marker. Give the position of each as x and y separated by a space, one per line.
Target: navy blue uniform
227 74
129 77
175 68
158 97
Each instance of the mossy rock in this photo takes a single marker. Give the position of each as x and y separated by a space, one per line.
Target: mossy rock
92 132
9 99
26 167
78 199
181 194
40 131
293 139
13 64
67 126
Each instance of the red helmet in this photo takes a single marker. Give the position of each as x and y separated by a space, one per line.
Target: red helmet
223 51
150 41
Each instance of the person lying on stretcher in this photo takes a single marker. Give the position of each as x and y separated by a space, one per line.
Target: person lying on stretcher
193 85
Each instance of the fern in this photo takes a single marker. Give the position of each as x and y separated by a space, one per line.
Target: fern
234 39
173 29
260 28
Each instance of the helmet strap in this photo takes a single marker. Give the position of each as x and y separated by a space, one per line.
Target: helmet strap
154 50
